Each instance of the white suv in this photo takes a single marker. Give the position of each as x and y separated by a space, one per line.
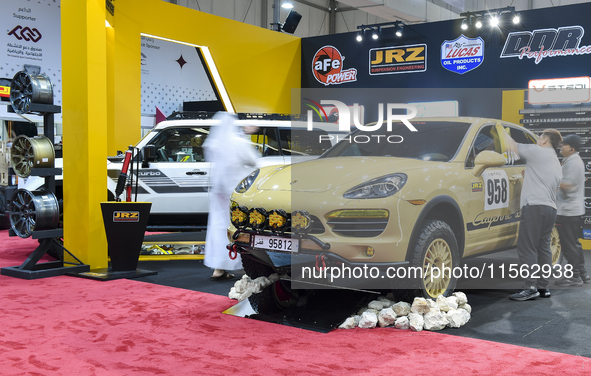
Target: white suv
173 173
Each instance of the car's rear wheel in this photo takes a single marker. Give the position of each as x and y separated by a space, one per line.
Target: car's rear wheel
436 253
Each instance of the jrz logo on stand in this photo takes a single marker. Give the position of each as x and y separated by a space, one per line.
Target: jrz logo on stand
126 216
542 43
327 67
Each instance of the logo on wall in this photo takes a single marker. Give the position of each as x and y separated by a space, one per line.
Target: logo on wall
399 59
542 43
26 33
126 216
462 54
559 90
327 67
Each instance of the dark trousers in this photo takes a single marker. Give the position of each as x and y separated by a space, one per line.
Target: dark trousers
569 230
533 243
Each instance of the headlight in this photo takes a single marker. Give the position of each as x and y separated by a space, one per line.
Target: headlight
300 221
278 220
257 217
238 215
378 188
247 182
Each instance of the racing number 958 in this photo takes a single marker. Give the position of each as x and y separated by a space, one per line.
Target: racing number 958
497 191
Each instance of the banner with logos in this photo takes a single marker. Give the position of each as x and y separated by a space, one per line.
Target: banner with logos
32 40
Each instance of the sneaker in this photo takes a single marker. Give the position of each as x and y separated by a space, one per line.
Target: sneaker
544 293
585 276
570 282
525 294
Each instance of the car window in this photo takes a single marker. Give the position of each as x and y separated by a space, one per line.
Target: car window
486 139
304 142
265 142
180 144
433 141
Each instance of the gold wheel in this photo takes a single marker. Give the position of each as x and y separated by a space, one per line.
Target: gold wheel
31 152
438 255
555 246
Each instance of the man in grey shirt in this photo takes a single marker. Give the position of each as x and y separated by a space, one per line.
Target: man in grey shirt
538 211
571 207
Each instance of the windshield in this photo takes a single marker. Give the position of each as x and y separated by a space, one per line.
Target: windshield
433 141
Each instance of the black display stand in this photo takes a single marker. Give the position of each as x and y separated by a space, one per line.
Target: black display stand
48 239
125 225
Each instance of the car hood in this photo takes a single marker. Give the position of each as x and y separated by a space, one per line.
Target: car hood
324 174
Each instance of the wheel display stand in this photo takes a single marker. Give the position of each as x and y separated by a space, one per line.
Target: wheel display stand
48 239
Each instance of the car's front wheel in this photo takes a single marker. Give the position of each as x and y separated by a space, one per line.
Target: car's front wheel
436 253
555 247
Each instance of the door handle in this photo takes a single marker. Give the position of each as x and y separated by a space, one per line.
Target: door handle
196 172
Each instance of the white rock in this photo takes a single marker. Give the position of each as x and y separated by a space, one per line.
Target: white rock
466 307
402 323
445 304
376 304
432 303
416 321
420 306
434 320
241 284
368 320
462 299
348 324
357 318
385 301
386 317
234 294
457 317
401 308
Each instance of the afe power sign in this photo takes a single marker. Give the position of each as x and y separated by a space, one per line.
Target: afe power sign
559 90
327 67
399 59
462 54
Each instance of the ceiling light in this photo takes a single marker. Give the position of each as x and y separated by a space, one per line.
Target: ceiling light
287 5
478 23
494 20
359 36
516 18
464 24
399 30
374 35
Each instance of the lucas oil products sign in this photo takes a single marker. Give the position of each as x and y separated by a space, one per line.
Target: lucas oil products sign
462 54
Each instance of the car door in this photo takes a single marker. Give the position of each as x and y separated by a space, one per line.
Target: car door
178 180
494 196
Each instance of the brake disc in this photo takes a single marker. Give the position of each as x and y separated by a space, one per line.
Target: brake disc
31 152
29 88
33 211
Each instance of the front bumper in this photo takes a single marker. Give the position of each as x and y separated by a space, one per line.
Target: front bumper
315 265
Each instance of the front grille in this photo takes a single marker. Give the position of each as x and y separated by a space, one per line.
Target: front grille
358 227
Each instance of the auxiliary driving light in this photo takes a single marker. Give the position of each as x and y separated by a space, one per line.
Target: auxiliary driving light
278 220
257 218
370 251
300 221
238 215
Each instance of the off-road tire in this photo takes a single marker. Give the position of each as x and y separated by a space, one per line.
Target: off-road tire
436 245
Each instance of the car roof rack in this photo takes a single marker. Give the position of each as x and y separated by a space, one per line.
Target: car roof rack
179 115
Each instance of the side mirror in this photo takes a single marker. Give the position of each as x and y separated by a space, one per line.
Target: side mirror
486 159
149 155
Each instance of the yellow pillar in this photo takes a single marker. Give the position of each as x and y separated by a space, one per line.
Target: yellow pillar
512 103
84 78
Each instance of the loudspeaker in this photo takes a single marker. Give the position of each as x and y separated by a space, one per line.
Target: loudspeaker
291 22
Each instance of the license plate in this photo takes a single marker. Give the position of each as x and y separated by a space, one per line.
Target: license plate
275 243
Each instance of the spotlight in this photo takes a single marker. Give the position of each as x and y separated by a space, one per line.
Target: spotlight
359 36
516 18
374 35
494 20
287 5
399 30
478 23
464 24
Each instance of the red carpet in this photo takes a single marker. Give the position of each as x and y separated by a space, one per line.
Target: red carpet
72 326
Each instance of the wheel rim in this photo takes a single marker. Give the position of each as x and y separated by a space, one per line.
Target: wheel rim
29 152
29 88
33 211
437 255
555 246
